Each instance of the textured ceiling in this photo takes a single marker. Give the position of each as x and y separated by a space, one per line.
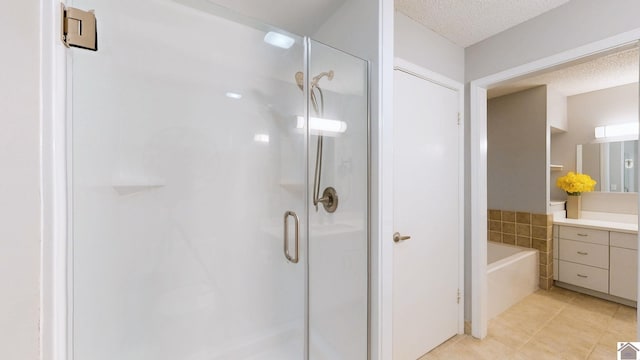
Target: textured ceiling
603 72
466 22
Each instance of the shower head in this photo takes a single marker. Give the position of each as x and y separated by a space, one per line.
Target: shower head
300 80
316 79
314 82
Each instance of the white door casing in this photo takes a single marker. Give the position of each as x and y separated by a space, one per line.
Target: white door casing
428 206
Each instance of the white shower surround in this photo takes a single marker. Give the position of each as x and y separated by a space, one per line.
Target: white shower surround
197 283
512 274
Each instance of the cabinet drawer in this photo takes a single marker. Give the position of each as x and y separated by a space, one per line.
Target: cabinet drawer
584 276
581 234
584 253
624 240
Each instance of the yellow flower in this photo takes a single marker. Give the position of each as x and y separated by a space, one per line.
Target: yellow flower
575 184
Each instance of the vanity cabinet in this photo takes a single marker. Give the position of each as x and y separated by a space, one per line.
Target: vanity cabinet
556 241
600 260
584 258
623 274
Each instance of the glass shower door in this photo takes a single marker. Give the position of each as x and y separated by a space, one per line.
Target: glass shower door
338 234
188 171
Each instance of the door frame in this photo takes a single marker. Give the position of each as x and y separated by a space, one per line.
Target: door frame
439 79
478 162
54 336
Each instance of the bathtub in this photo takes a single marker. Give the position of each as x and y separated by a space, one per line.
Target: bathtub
512 274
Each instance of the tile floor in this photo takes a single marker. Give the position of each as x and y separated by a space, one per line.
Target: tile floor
554 324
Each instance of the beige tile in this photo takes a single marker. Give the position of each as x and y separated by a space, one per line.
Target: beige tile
611 339
513 337
509 239
542 219
495 215
545 258
565 342
488 348
547 299
580 335
509 216
560 294
523 229
581 317
523 241
546 270
495 236
462 353
622 327
626 313
541 245
536 351
523 218
541 232
545 283
527 317
594 304
551 324
452 349
508 227
602 352
495 225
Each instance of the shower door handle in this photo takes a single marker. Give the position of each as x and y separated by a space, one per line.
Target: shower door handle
294 259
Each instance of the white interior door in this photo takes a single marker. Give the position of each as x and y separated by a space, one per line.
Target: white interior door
426 208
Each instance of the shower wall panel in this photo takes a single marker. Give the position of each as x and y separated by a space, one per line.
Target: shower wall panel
179 189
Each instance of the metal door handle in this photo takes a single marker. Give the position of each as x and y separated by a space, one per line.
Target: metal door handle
583 253
397 237
582 276
294 259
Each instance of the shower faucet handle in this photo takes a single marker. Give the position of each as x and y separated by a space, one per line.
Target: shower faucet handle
397 237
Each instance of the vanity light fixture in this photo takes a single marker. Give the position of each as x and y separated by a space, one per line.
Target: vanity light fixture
279 40
617 131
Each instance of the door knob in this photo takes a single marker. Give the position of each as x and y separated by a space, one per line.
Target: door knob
397 237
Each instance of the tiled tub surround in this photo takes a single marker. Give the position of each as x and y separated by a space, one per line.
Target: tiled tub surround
526 230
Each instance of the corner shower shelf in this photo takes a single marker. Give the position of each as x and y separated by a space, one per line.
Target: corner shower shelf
126 186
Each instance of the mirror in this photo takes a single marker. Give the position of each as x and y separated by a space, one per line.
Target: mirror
611 164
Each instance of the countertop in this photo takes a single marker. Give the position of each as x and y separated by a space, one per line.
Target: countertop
600 221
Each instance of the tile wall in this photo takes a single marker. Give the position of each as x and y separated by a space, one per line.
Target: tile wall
526 230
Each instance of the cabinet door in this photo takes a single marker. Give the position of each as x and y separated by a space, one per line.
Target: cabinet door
623 273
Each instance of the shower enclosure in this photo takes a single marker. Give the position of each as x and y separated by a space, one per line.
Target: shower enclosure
192 162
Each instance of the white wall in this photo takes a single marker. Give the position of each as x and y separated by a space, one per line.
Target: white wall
566 27
417 44
584 112
517 151
20 181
